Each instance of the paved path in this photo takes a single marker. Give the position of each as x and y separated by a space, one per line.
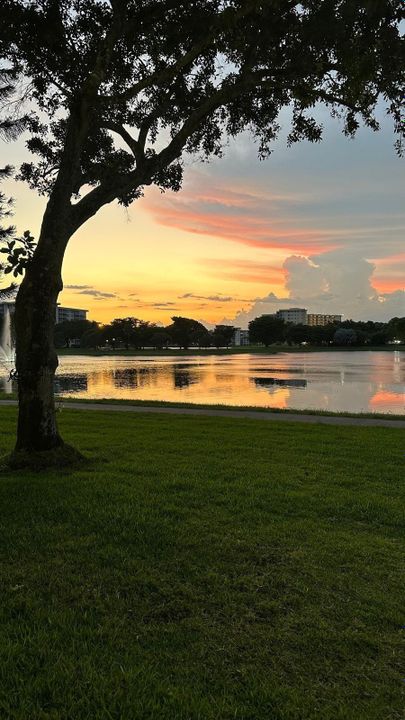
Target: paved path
244 414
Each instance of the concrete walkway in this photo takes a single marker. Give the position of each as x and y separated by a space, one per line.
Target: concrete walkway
243 414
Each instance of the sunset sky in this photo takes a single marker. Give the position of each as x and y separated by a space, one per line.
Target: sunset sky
319 226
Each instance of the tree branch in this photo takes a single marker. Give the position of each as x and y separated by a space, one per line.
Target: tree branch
160 77
103 194
332 98
135 147
122 184
106 193
225 94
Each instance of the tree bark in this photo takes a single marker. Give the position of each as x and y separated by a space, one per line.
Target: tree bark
36 358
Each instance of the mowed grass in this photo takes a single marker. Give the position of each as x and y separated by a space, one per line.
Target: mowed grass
204 568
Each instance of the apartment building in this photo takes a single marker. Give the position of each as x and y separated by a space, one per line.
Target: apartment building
296 316
317 319
240 337
62 313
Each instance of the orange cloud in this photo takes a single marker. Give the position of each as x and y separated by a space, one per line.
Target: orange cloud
389 274
386 284
247 223
392 260
246 271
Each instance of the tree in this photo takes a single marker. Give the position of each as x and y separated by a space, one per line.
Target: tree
123 330
345 336
165 79
70 330
182 331
396 328
92 338
266 329
18 250
296 334
321 334
201 337
7 233
380 337
143 333
223 335
159 339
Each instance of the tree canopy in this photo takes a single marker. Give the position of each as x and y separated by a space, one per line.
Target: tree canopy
266 329
184 330
126 87
7 233
17 249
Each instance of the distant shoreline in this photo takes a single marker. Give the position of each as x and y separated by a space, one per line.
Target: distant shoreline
247 350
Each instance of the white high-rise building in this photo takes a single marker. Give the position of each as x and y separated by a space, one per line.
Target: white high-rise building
240 337
296 316
62 313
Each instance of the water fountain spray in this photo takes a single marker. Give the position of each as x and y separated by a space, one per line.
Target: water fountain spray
7 350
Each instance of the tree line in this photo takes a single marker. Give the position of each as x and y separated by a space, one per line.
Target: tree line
182 332
132 332
268 329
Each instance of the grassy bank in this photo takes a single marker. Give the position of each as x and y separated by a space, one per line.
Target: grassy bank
204 568
62 400
252 349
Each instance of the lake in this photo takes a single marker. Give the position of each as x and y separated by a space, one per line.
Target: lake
363 381
354 381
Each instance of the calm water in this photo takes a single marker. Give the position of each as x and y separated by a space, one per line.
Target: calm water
336 381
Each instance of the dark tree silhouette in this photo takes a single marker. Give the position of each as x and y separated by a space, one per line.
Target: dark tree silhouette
159 339
266 329
223 335
396 328
13 247
165 78
345 336
70 330
184 331
7 233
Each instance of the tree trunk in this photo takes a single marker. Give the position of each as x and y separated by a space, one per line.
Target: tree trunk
36 358
36 363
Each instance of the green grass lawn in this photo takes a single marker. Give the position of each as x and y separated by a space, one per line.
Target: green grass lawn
204 568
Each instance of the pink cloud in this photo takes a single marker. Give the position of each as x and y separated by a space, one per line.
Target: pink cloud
387 284
245 271
239 217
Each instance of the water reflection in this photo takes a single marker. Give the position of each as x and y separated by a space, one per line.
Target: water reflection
269 382
131 378
71 384
183 377
336 381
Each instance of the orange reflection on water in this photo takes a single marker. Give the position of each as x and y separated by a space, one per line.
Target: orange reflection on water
384 398
206 382
335 381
